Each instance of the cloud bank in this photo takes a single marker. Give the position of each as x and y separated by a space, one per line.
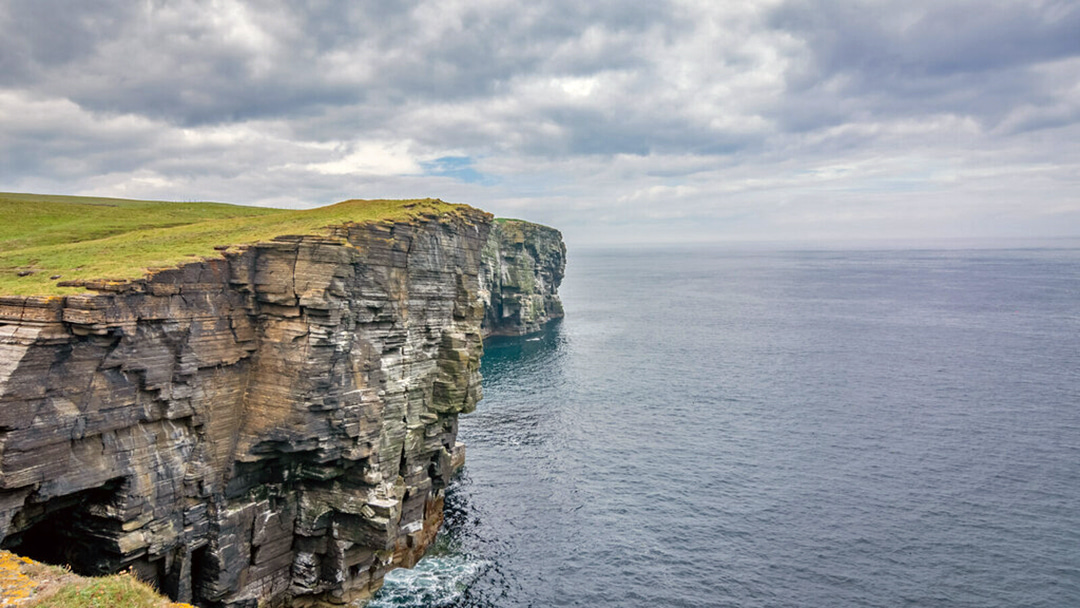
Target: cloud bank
615 121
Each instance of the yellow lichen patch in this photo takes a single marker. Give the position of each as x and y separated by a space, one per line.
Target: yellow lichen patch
14 585
22 579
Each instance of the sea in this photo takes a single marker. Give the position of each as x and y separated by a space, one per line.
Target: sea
771 426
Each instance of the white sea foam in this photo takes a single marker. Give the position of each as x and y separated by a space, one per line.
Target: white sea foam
435 581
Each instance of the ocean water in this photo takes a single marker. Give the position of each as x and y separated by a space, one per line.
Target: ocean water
776 428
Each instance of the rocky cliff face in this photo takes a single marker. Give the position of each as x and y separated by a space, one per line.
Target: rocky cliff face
523 265
272 428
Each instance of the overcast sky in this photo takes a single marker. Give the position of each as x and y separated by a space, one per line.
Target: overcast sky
613 121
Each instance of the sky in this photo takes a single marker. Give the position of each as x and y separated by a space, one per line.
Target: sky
616 122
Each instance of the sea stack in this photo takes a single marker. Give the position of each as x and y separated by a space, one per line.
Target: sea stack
523 265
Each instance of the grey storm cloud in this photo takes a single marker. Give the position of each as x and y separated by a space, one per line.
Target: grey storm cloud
967 57
615 120
208 62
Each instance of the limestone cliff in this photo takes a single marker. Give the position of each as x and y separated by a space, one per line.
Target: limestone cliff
271 428
523 265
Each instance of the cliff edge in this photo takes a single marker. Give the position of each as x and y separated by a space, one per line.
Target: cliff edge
271 427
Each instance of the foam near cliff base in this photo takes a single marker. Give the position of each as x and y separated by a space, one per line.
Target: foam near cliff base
433 582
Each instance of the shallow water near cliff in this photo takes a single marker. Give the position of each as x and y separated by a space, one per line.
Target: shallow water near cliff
765 428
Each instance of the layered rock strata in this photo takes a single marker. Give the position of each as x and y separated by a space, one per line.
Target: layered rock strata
272 428
523 265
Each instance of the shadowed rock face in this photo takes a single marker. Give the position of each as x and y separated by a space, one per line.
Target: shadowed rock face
523 265
274 426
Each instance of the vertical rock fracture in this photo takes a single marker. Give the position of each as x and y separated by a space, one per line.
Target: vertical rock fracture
273 428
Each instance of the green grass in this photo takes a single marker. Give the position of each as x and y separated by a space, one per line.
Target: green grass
81 238
116 591
33 220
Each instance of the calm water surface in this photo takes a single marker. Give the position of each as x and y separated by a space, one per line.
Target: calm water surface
740 428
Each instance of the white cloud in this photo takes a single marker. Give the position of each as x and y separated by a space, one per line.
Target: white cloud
688 119
370 158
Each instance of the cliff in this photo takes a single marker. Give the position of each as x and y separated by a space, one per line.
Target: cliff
523 265
271 427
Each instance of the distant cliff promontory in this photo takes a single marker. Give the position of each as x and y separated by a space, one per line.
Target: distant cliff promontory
271 426
523 265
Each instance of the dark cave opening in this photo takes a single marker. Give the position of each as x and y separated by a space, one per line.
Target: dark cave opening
69 531
201 567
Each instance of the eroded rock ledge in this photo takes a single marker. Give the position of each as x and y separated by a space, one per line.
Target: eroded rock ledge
272 428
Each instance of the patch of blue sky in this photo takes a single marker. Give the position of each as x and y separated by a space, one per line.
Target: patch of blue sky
459 168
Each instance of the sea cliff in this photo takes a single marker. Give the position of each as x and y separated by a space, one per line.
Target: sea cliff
272 427
523 265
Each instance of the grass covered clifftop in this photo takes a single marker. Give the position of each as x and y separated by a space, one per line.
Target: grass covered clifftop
29 584
49 239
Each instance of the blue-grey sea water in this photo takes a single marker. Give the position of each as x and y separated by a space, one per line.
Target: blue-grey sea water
776 428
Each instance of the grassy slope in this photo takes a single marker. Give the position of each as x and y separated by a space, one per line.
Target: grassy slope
30 584
87 238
